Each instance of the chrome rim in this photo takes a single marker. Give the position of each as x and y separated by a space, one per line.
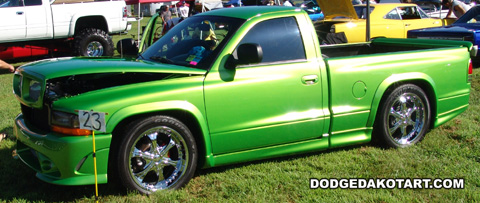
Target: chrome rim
94 48
406 119
158 159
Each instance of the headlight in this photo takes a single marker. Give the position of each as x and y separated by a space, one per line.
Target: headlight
17 83
34 90
65 119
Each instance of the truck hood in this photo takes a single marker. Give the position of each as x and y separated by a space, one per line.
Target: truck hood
59 67
337 8
53 79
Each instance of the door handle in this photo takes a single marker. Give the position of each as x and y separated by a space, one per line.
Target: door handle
310 79
19 12
406 25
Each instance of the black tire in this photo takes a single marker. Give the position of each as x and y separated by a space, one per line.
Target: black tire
404 117
93 42
156 153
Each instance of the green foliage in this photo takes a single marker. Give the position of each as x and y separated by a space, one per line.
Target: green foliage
450 151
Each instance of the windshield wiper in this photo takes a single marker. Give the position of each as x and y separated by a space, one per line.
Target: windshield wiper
162 59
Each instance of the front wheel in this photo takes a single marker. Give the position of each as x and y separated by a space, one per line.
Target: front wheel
404 117
156 153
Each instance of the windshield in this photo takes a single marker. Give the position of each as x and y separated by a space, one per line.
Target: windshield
194 42
471 16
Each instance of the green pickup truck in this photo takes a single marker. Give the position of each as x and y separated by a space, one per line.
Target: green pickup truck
227 86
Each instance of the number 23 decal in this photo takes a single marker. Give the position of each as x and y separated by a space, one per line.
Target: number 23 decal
92 120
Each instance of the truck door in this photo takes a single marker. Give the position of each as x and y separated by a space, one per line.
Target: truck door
277 101
37 23
12 23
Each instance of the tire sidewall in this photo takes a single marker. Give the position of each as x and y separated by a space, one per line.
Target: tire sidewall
140 126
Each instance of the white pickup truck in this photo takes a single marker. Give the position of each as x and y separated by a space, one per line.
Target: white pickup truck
83 28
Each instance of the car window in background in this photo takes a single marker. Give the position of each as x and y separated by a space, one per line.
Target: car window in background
33 2
279 38
422 13
393 14
13 3
362 11
409 12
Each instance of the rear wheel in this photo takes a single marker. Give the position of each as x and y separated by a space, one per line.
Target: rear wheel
93 42
156 153
404 117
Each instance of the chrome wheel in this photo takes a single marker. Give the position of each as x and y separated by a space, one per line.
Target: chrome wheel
403 118
158 159
94 49
406 118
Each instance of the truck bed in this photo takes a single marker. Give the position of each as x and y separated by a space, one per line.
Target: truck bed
382 45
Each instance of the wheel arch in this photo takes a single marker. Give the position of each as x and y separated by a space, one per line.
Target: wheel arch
183 111
81 22
425 82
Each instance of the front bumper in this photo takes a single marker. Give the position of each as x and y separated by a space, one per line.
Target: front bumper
59 159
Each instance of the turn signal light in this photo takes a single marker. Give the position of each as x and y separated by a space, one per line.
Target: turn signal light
71 131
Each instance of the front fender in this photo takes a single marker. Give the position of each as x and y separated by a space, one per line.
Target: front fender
139 109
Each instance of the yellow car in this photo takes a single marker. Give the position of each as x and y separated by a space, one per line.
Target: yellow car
391 20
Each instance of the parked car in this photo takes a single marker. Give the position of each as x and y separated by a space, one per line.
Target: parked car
83 28
229 86
466 28
386 20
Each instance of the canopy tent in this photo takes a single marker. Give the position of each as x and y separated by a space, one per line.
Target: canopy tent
130 2
205 4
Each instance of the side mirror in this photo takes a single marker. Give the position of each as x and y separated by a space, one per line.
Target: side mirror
127 47
248 53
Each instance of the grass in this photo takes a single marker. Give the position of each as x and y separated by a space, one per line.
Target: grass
450 151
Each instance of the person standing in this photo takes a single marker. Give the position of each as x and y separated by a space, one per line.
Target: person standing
183 10
287 3
166 15
5 65
456 7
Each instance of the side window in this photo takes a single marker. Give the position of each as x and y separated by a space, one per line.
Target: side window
393 15
33 2
12 3
279 38
422 13
409 12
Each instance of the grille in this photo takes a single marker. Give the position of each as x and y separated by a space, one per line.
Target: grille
36 117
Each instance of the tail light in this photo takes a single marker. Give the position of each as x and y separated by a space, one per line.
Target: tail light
470 71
